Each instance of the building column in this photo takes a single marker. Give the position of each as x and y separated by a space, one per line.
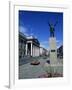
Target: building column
26 48
31 48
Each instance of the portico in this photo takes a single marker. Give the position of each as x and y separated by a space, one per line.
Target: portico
29 48
32 47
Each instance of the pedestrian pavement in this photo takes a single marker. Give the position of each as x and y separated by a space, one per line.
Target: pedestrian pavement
27 70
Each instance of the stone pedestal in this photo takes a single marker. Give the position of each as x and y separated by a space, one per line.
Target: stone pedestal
53 50
53 55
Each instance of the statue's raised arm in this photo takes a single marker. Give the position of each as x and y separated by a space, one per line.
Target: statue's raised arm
49 24
52 29
55 23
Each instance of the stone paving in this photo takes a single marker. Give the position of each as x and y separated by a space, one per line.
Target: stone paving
27 70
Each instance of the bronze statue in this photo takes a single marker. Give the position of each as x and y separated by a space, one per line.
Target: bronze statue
52 29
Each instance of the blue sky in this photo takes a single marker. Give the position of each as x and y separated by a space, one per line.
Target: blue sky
36 23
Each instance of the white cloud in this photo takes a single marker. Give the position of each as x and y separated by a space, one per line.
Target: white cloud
60 43
45 46
57 41
24 30
42 45
44 42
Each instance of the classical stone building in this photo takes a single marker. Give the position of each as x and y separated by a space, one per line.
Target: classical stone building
22 45
28 46
32 46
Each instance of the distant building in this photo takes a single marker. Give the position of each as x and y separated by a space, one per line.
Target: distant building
60 52
43 51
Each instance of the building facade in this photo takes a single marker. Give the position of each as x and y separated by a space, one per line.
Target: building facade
43 52
22 45
32 46
28 46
